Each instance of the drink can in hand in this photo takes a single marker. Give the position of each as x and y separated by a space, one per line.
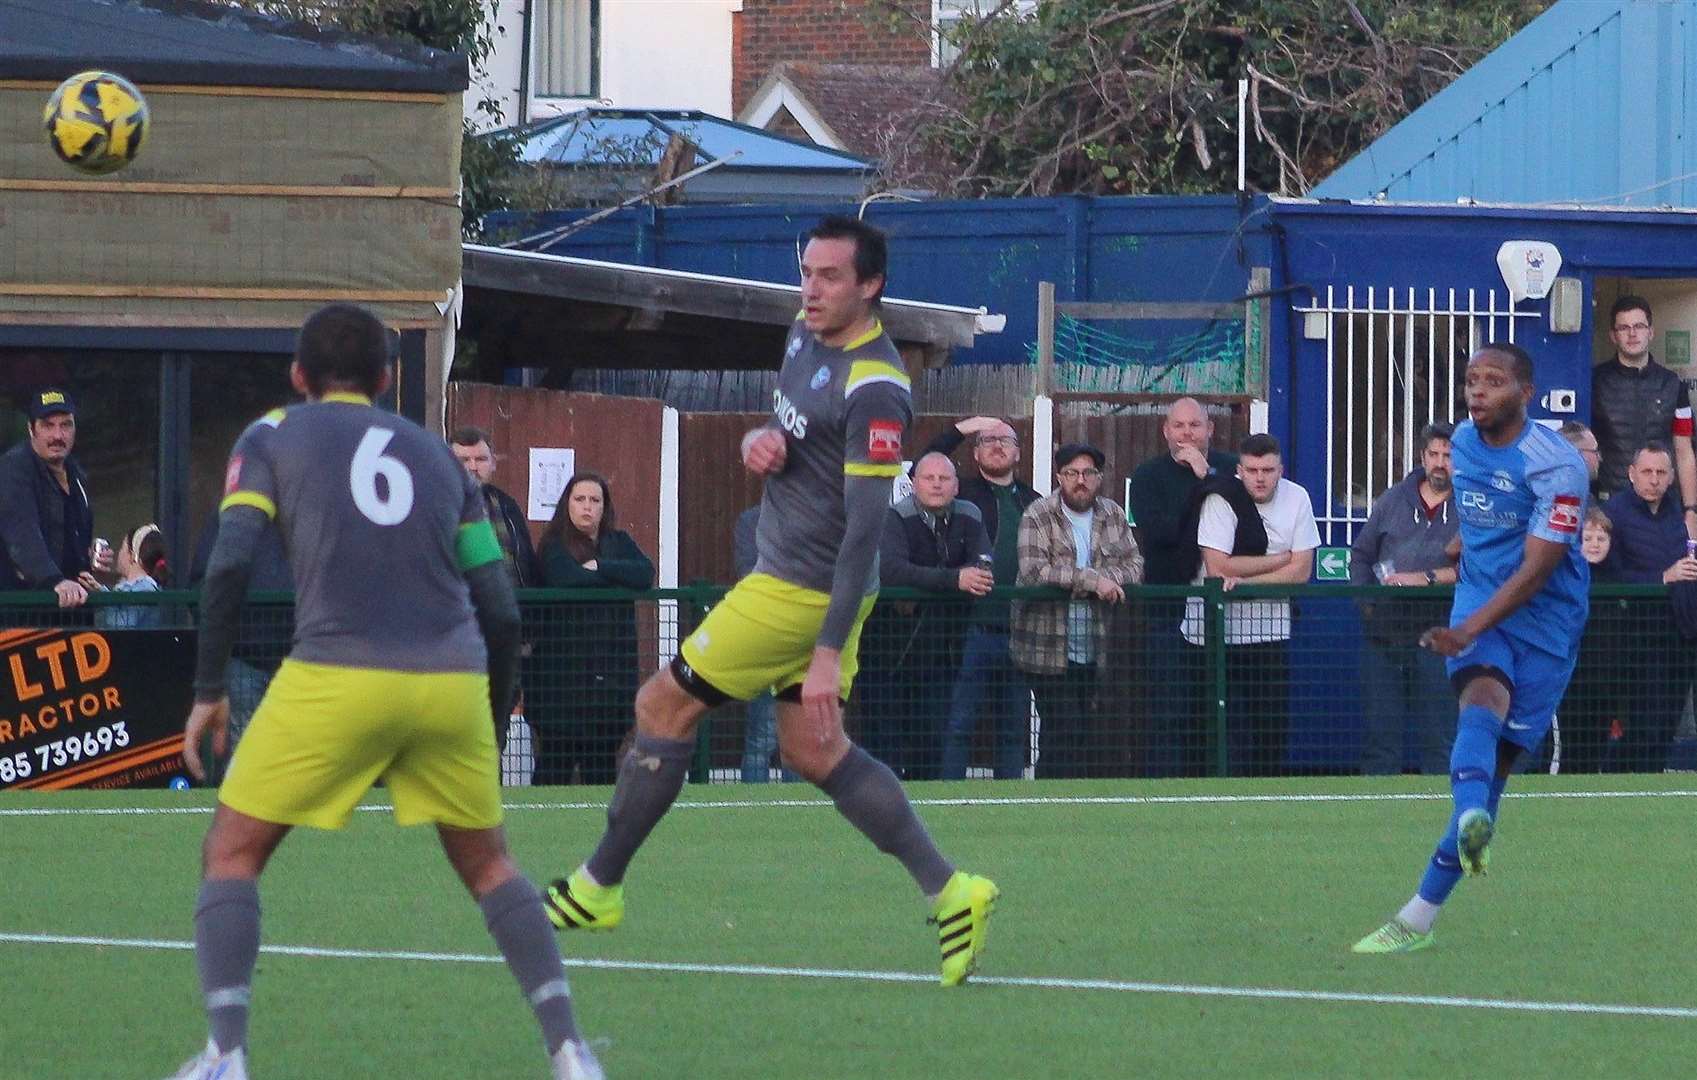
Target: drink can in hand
102 550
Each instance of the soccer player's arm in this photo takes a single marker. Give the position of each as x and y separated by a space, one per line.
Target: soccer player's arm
879 409
1684 456
1558 513
248 508
479 557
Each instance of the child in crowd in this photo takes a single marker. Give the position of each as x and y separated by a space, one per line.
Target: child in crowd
141 567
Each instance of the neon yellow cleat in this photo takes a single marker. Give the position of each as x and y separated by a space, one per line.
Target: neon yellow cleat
1395 936
1473 839
962 914
576 903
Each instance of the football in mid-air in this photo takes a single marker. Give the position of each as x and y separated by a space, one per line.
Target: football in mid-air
96 121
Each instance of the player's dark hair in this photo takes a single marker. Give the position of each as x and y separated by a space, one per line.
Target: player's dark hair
343 346
560 530
1630 303
471 436
1437 430
1520 360
871 248
1260 446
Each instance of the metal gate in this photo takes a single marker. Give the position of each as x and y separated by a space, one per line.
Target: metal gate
1395 361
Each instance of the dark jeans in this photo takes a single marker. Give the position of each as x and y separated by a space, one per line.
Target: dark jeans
1178 685
1257 708
988 684
1405 693
900 702
1063 708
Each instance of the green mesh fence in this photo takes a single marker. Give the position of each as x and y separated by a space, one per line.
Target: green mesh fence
1177 681
1090 357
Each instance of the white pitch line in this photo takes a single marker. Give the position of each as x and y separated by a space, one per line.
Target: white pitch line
1026 800
1586 1008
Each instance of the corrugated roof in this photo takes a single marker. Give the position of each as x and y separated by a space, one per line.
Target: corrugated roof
1593 102
639 137
192 42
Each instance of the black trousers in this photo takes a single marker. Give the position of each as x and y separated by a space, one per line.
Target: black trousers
1064 704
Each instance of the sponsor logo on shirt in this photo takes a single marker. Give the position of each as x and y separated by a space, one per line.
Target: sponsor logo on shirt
1564 515
1476 500
789 417
233 475
1502 481
821 377
884 442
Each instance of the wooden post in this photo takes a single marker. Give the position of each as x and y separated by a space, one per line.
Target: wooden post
1045 338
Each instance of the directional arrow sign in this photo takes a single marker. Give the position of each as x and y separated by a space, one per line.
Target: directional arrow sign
1333 563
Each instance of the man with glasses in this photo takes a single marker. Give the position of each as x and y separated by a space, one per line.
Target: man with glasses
988 677
1072 539
1635 401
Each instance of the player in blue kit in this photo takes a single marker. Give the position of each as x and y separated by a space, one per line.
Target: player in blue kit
1520 608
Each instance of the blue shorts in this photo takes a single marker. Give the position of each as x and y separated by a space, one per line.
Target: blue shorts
1536 681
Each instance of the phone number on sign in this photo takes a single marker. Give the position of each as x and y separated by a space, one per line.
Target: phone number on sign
61 752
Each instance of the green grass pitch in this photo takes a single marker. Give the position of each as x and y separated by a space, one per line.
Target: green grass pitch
1151 919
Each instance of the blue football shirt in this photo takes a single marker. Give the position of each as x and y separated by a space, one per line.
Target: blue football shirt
1537 485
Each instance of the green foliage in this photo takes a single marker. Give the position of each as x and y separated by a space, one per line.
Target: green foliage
1129 96
464 26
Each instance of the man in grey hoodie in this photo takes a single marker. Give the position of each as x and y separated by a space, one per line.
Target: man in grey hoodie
1403 544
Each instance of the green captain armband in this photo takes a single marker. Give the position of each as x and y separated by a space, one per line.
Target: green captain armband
476 545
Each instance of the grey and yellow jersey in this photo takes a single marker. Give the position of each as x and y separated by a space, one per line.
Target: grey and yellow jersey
379 522
844 413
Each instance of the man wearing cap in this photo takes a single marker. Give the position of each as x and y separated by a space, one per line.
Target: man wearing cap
1072 539
46 524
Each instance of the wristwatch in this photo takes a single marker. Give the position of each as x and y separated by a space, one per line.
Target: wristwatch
1431 577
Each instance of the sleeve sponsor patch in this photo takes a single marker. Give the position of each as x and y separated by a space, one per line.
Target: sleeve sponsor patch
1564 515
233 475
1682 427
884 442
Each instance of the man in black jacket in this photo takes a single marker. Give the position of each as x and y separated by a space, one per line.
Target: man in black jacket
1163 506
987 672
45 519
474 450
1636 401
931 541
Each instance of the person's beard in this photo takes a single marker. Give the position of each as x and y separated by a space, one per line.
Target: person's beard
1441 486
996 474
1067 497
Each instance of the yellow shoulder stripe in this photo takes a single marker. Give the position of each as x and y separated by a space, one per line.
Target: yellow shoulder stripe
249 498
862 468
866 372
867 338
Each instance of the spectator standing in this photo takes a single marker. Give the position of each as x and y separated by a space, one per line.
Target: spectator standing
1649 547
1634 401
46 522
932 541
1584 440
142 567
760 726
1072 539
472 448
989 684
1591 711
582 549
1403 544
1257 631
1163 501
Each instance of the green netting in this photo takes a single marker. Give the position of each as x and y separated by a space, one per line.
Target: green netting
1090 357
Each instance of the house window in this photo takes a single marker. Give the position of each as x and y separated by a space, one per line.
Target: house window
948 15
567 57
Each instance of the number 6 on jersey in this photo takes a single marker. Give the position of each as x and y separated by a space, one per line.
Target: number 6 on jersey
369 463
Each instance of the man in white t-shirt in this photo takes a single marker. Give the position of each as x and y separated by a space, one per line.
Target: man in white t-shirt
1257 664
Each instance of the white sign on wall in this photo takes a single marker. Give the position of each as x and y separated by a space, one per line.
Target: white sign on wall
1529 268
550 468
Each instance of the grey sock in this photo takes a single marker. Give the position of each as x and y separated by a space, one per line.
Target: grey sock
226 946
650 777
513 912
869 795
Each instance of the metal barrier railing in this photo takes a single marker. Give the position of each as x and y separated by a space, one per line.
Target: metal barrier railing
1176 681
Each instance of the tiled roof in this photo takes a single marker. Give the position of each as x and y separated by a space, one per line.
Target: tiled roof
874 110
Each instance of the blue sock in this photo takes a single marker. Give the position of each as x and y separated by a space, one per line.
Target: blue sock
1473 762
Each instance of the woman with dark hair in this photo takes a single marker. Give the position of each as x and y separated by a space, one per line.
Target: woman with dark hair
594 643
141 567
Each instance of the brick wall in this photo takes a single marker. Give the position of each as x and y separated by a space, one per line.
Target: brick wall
824 31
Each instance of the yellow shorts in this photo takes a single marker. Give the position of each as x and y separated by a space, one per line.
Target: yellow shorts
324 734
761 637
